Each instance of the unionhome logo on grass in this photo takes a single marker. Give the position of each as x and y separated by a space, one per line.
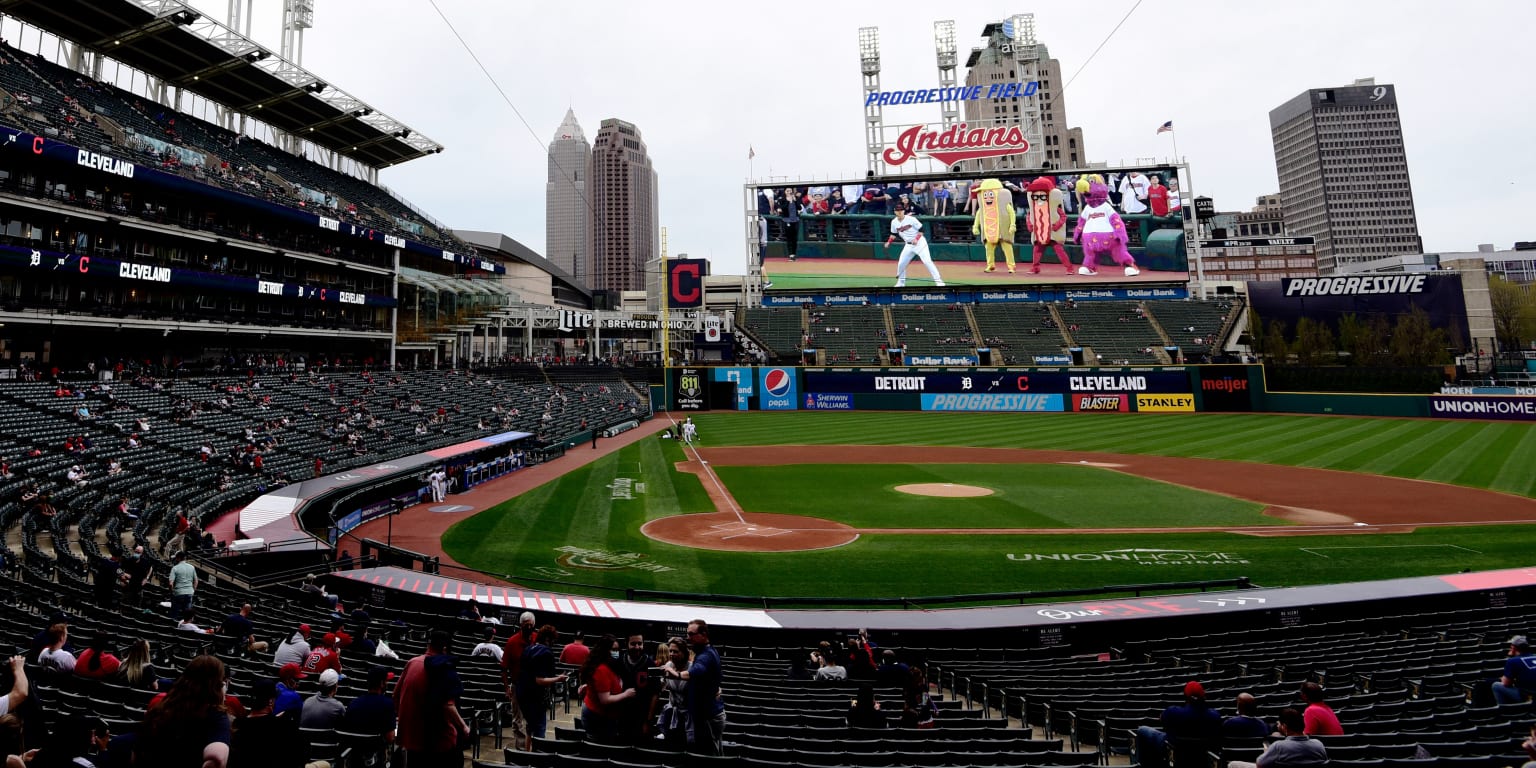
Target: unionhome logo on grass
603 560
1138 556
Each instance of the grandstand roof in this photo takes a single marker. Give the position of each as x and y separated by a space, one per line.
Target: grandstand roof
171 41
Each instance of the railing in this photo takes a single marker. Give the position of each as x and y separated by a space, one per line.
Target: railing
921 603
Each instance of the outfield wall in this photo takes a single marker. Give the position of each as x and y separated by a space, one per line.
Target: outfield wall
1138 389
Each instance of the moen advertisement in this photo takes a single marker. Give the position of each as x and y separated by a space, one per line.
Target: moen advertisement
777 390
966 230
690 392
998 381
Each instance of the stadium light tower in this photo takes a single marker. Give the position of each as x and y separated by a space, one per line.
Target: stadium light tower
240 16
874 114
298 15
944 48
1026 58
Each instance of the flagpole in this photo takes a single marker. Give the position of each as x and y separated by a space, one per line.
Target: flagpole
1189 179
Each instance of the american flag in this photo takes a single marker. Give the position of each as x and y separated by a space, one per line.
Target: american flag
751 153
1166 127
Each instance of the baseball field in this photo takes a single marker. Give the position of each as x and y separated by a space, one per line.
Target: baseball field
922 504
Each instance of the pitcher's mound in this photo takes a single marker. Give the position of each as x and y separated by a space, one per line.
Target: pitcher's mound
749 532
944 490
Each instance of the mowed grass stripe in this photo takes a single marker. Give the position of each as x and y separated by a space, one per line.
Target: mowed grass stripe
1327 442
1485 456
1516 478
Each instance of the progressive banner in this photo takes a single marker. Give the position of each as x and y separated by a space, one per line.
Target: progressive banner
1483 407
1041 403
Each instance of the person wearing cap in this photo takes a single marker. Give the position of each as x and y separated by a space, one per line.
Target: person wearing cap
323 710
1192 724
373 712
1296 750
288 698
295 649
324 657
511 669
910 230
1319 717
1519 680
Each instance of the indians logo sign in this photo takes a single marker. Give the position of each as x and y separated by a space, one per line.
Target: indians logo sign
603 560
955 143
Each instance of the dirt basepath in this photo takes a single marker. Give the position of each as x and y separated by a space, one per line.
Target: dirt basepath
1315 501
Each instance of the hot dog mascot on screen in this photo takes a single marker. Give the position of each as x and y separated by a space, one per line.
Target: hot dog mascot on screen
1047 220
995 221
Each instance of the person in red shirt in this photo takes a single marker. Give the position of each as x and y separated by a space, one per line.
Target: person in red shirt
1157 197
426 698
603 692
575 652
1318 716
323 658
97 662
511 668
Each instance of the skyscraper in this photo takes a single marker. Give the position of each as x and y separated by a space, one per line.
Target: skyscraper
626 217
1344 173
1043 115
567 210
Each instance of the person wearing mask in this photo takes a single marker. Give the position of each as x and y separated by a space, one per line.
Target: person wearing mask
603 692
288 698
189 727
183 584
511 661
672 721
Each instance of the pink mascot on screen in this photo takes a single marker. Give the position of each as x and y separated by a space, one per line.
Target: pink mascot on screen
1100 230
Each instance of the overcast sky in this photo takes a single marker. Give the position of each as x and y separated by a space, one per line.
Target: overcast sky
704 81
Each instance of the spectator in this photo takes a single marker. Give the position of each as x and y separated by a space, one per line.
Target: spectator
864 711
72 740
536 677
799 670
183 584
20 688
827 667
372 713
432 729
1244 725
705 709
918 709
295 649
238 625
54 656
188 623
1192 722
324 657
288 698
1319 717
1296 750
488 646
575 652
511 661
138 670
1519 680
603 692
190 727
317 593
97 663
891 673
265 737
323 710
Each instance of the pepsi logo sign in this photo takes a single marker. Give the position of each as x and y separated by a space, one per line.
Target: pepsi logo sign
777 382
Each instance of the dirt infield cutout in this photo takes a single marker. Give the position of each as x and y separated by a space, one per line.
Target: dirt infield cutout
945 490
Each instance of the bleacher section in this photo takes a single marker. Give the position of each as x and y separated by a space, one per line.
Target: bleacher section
1116 331
346 420
781 328
1185 321
850 334
934 330
1018 332
65 105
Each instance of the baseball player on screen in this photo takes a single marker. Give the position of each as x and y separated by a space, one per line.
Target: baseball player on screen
910 230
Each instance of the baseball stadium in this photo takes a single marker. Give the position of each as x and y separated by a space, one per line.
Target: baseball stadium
974 467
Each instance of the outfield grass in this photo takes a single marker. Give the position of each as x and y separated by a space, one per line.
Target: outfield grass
1024 496
520 538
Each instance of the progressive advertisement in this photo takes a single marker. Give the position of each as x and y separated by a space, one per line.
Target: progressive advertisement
844 235
1329 299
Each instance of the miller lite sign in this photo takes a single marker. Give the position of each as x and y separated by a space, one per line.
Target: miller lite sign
956 143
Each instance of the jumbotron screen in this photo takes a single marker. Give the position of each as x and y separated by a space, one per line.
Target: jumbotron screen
846 235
